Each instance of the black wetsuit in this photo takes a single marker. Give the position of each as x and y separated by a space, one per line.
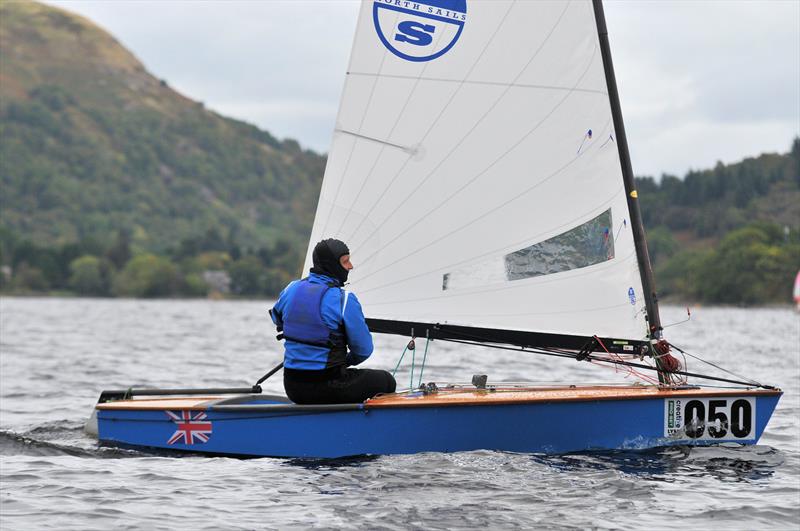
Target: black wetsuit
338 385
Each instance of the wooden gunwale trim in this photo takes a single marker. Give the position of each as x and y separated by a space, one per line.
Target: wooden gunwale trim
550 395
147 404
468 397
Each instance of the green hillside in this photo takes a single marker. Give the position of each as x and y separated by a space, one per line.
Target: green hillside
705 205
113 184
91 144
726 235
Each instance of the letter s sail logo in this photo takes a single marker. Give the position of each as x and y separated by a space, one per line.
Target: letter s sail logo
419 30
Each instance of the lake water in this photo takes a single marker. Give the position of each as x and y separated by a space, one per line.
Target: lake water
56 355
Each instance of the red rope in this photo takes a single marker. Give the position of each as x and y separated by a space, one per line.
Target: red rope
630 371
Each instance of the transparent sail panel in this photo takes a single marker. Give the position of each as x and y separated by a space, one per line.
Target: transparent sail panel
587 244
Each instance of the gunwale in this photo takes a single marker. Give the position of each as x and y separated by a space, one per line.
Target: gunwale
453 396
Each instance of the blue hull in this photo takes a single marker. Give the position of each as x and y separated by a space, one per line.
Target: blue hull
546 427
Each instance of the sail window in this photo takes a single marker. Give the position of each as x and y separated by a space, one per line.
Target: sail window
590 243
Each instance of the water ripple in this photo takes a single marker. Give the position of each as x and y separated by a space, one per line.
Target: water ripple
54 476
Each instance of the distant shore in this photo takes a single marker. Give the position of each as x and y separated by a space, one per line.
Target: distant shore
669 301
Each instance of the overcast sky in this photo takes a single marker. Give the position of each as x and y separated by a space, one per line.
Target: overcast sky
700 81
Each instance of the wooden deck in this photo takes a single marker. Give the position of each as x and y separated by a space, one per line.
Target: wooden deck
517 395
161 403
465 396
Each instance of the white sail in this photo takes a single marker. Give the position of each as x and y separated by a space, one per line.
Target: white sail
474 171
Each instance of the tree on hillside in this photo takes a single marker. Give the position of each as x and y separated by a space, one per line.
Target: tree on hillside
90 275
752 265
248 276
147 275
120 252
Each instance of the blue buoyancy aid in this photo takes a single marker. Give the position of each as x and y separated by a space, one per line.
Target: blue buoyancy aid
303 323
319 301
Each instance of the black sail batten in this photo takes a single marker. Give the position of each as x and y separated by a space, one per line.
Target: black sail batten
506 337
637 227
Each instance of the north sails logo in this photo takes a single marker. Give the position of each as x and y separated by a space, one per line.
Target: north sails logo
419 31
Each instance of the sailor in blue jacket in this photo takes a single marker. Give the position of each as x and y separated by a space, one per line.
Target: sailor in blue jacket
326 333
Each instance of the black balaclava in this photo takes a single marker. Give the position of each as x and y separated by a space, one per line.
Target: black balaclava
326 259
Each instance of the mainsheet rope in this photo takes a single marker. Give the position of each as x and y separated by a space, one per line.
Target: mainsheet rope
411 345
401 358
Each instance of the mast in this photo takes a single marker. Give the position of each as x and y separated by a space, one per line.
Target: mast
642 256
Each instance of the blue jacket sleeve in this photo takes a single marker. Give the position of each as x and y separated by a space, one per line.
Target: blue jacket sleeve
276 313
359 338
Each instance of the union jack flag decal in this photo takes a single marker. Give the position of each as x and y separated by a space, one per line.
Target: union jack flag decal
192 428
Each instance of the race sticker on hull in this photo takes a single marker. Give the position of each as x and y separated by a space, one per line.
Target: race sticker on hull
721 419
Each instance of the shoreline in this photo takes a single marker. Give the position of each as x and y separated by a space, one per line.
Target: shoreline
233 298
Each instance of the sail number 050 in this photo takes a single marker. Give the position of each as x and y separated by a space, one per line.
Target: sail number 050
731 418
717 418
